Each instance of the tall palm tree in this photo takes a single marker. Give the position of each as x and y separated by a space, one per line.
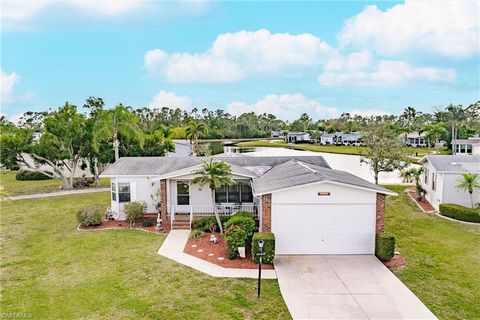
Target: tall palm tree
114 122
434 132
414 175
193 131
469 182
215 174
456 115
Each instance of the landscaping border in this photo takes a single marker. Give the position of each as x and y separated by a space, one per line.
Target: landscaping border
120 228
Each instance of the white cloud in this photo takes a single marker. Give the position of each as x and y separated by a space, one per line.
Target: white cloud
447 27
235 56
8 86
353 61
109 7
285 106
369 112
170 100
387 73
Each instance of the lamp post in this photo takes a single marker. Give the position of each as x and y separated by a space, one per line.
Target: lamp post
260 258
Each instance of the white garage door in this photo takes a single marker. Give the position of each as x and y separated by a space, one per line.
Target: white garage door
324 228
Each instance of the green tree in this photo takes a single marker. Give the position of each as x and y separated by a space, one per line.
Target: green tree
384 152
434 132
215 174
194 130
469 182
414 175
116 122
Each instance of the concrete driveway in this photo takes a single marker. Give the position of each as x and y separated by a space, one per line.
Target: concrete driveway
345 287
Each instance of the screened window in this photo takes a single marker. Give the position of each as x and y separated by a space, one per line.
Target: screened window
434 182
183 193
237 193
221 194
246 194
234 193
426 176
114 192
123 192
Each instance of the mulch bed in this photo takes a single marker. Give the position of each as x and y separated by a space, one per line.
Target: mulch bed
211 252
424 204
121 224
396 261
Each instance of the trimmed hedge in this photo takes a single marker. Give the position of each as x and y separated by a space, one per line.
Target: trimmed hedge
135 210
204 224
385 246
268 247
27 175
238 232
458 212
90 215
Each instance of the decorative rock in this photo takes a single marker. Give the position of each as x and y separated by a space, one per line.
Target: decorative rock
221 258
200 250
210 254
194 245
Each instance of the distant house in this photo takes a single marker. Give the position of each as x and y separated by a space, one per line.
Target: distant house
415 139
352 139
340 138
327 139
276 134
294 136
467 146
441 176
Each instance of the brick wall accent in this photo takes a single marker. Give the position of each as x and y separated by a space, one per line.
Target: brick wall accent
163 201
380 213
267 212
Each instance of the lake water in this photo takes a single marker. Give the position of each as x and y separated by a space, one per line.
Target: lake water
349 163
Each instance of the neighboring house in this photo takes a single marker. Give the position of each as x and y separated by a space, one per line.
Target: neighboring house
293 137
311 208
415 139
340 138
327 139
442 174
467 146
182 149
79 171
276 134
352 139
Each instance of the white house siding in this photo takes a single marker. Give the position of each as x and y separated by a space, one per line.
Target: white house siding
433 196
342 223
453 195
141 189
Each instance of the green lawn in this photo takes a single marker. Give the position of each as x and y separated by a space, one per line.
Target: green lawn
443 258
415 152
52 271
13 187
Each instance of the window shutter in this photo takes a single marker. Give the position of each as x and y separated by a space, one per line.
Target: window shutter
133 191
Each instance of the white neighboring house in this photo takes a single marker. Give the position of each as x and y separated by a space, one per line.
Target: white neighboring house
294 136
442 174
311 208
415 139
327 139
352 139
467 146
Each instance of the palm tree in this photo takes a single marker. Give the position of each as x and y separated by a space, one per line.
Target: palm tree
469 182
456 115
215 174
111 123
193 131
434 132
414 175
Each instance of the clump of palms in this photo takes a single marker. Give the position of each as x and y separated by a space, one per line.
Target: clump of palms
469 182
414 175
194 130
215 174
434 132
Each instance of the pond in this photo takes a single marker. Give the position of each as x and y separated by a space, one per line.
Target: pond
349 163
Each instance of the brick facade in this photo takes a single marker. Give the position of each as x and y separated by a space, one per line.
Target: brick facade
267 212
163 201
380 213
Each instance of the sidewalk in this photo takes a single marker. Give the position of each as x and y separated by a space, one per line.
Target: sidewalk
174 244
55 194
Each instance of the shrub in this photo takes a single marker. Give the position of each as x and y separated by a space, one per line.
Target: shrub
246 223
268 247
90 215
243 214
147 223
196 234
83 182
204 224
238 232
27 175
456 211
385 246
135 210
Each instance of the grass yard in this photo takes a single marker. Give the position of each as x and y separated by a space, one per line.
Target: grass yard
443 258
415 152
52 271
13 187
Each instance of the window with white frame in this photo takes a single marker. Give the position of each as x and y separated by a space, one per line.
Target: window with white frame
124 192
426 173
434 181
241 192
183 193
114 191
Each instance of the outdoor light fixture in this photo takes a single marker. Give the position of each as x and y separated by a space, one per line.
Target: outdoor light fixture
260 258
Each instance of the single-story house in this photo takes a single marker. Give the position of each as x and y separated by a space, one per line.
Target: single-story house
311 208
467 146
352 139
327 139
442 174
415 139
277 134
294 136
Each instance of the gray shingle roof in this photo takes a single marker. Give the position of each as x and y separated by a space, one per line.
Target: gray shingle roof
455 163
156 166
296 172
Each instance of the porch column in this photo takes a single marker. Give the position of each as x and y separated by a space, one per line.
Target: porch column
380 213
267 212
163 201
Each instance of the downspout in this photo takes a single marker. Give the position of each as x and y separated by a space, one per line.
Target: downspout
260 209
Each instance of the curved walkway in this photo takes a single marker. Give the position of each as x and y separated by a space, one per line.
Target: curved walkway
56 194
174 244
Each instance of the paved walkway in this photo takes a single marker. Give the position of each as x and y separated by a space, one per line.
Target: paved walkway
345 287
56 194
174 244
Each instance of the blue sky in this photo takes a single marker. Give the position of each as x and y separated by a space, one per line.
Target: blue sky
323 58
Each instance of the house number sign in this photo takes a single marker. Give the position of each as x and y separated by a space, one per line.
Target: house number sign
323 194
